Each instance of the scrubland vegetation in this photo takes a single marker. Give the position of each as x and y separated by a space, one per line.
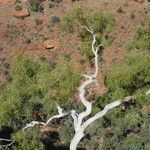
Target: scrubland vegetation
142 36
101 22
37 84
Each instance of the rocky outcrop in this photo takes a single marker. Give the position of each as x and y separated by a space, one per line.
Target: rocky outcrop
50 44
22 13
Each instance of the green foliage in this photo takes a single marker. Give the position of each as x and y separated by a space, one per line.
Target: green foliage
141 38
131 143
29 139
66 132
18 7
127 77
133 14
35 87
66 22
124 128
34 5
64 80
101 22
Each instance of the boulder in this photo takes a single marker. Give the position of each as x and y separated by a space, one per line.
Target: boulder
22 13
50 44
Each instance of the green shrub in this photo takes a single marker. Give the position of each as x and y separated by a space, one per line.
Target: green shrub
29 139
66 132
124 127
34 4
133 14
64 80
141 38
131 143
34 84
120 10
102 23
66 23
127 77
18 7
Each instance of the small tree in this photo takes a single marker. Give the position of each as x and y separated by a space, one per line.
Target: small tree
34 4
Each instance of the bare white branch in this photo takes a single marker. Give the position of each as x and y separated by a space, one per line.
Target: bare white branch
6 145
105 110
60 115
78 122
33 123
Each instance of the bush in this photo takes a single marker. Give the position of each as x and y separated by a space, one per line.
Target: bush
124 127
55 19
29 139
102 23
34 84
66 22
41 7
126 78
34 5
133 14
18 7
64 81
131 143
141 38
120 10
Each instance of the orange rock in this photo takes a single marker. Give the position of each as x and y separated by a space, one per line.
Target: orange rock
49 44
22 14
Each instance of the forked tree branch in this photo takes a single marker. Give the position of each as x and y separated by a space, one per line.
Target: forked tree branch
59 115
6 145
79 124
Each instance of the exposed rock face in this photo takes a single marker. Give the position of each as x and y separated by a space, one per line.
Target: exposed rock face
50 44
22 14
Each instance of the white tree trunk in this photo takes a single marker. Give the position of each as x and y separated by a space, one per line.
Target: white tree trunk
76 139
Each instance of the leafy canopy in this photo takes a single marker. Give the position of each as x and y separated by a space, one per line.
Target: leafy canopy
100 21
35 87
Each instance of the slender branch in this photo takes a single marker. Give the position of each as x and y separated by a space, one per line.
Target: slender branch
6 145
105 110
59 115
33 123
